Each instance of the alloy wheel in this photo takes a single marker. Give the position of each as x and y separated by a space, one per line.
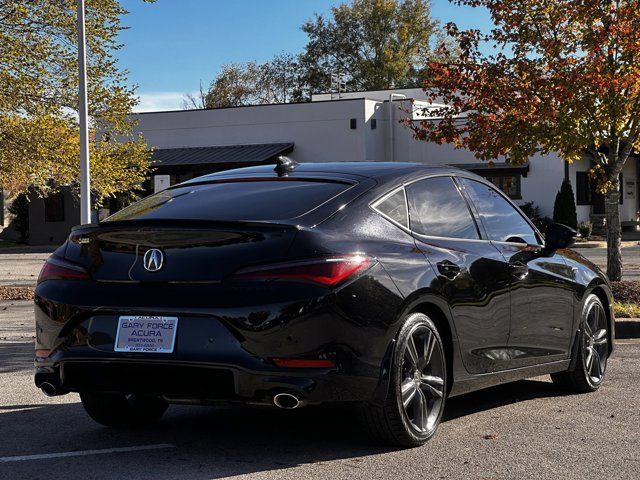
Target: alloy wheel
596 343
422 385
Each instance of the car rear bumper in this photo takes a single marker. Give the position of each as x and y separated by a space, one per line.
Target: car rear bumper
222 352
182 382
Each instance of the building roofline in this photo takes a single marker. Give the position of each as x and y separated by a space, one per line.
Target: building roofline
249 106
256 144
365 91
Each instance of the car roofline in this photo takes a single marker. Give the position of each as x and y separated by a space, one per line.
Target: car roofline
349 172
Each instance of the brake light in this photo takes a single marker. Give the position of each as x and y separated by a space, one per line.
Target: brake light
57 268
328 271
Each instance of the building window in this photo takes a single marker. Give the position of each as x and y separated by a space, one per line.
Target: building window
509 184
587 194
583 188
54 207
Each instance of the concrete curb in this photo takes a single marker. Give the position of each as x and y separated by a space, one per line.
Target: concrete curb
28 249
627 327
585 245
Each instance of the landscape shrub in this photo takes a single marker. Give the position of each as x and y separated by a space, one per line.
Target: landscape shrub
531 210
585 229
20 208
564 208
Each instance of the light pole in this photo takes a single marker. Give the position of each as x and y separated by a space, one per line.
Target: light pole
85 175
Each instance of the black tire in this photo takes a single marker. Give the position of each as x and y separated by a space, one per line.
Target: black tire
397 421
119 410
592 351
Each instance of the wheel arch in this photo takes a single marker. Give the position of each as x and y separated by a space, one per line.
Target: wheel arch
604 294
444 326
437 309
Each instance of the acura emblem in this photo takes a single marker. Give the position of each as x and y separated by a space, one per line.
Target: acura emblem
153 260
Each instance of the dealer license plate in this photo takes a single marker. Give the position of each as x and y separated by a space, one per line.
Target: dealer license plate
146 334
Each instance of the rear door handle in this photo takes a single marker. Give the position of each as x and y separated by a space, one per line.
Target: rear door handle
448 269
519 269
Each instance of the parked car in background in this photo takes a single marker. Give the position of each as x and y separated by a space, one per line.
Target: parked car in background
391 286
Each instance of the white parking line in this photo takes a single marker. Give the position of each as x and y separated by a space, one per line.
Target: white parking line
82 453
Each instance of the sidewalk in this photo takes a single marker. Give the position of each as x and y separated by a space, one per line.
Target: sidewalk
16 321
48 249
603 244
20 266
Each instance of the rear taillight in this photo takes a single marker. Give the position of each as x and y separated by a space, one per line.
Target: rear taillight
327 271
57 268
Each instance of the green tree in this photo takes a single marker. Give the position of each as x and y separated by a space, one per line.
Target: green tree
277 81
372 44
39 144
281 80
375 44
564 208
234 86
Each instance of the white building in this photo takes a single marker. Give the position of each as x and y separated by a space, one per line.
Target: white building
360 126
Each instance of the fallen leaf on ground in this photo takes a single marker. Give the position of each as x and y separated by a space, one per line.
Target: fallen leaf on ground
16 293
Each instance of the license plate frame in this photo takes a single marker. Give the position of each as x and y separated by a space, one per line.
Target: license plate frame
146 334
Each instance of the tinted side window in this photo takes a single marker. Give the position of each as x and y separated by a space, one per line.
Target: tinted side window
394 207
502 221
437 209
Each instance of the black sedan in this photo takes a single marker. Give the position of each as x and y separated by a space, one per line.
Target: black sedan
392 286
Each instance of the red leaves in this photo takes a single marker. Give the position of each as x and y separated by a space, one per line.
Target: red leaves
566 74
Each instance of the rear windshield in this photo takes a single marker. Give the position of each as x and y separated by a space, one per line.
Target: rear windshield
249 201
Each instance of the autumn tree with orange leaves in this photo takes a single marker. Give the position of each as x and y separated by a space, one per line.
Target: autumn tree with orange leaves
560 76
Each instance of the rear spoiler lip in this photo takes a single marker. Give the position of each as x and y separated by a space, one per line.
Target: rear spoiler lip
177 223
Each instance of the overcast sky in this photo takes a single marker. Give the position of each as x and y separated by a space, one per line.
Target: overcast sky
173 44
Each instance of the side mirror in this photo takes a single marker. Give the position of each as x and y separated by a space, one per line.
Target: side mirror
558 236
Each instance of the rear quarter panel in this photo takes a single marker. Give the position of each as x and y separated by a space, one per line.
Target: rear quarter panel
589 278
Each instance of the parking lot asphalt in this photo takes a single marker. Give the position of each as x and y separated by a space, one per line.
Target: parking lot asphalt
521 430
630 259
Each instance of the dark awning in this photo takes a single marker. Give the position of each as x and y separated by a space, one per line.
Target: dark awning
217 155
496 168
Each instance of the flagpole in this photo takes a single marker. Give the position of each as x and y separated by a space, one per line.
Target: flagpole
85 175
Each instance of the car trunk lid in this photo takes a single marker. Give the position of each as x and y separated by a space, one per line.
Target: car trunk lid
182 252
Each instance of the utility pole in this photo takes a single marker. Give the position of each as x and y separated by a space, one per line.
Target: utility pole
85 175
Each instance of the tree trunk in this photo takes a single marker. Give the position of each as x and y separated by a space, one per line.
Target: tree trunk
614 251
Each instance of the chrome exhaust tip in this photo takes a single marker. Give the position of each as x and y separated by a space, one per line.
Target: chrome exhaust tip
286 401
48 389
